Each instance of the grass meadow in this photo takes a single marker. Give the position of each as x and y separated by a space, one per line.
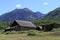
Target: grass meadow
30 35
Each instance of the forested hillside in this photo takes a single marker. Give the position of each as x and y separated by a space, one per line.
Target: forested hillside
53 15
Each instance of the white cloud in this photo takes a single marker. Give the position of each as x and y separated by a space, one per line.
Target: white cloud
45 3
18 6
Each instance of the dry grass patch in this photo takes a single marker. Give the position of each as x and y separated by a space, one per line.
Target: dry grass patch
38 36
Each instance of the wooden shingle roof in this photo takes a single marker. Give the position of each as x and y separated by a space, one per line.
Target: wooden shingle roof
25 23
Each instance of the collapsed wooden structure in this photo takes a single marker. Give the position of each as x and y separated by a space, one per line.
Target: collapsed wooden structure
48 27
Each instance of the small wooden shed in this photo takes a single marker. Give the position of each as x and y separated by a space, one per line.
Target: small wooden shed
22 25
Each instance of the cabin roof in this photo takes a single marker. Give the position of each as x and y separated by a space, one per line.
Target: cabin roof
25 23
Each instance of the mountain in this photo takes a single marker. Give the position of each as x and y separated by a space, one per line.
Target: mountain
53 15
20 14
39 14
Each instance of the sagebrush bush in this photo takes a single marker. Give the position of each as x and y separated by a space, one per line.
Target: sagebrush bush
56 29
31 33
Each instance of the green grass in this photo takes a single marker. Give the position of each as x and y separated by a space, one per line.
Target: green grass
56 29
23 35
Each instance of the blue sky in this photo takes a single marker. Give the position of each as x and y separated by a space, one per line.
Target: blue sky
43 6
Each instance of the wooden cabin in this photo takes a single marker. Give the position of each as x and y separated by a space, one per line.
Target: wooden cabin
21 25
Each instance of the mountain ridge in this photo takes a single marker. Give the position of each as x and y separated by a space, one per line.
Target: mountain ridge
20 14
53 15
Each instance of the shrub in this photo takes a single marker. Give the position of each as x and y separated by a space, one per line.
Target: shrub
56 29
31 33
1 31
10 32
